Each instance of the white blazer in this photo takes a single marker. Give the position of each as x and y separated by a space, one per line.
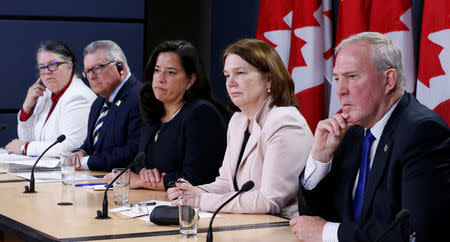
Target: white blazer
274 157
69 117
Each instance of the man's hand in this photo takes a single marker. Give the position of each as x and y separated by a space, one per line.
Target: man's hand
80 154
308 228
329 134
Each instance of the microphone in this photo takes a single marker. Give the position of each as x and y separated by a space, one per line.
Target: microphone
400 218
247 186
3 127
30 189
104 213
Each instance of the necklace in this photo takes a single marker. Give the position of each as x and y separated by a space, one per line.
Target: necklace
162 123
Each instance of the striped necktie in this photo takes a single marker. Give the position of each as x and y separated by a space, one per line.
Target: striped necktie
363 174
100 120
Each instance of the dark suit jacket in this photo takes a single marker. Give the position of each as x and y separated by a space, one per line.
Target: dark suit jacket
119 135
411 169
190 146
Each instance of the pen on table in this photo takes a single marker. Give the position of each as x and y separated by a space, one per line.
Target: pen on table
146 204
139 216
90 184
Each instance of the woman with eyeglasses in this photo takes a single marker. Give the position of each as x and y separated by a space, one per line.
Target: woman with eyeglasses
57 103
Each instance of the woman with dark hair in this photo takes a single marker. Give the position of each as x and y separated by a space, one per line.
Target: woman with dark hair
184 128
57 103
268 140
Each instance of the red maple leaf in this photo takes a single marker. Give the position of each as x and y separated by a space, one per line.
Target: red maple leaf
385 16
303 16
271 14
352 18
436 17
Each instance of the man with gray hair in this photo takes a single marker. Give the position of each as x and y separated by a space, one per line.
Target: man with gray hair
384 153
114 120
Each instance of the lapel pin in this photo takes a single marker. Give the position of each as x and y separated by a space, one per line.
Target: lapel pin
385 148
118 103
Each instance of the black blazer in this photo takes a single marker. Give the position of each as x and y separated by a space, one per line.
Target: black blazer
411 169
190 146
119 135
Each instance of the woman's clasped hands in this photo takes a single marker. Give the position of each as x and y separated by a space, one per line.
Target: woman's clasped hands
179 187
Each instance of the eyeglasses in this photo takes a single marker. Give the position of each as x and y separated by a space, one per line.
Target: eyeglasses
50 67
96 69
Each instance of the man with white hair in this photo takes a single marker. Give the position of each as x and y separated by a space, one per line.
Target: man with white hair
114 120
385 152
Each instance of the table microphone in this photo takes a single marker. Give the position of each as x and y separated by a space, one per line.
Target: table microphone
3 127
104 213
400 218
247 186
30 189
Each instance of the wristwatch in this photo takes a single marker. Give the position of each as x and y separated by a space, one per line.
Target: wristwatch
22 149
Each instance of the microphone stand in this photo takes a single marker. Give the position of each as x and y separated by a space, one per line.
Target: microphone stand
30 189
400 218
104 213
247 186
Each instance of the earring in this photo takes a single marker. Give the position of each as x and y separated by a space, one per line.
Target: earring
187 88
268 89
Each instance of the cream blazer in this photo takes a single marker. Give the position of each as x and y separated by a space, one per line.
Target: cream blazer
69 117
273 159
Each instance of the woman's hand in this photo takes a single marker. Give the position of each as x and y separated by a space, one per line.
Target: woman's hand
34 92
182 187
14 146
151 176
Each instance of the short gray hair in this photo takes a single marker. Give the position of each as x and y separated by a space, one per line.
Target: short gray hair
112 50
385 53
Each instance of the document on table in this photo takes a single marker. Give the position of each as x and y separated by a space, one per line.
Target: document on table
47 162
51 176
136 211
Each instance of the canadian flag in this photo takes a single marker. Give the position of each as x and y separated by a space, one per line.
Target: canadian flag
301 32
392 18
433 86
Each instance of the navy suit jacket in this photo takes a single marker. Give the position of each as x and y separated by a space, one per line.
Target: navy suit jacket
119 135
410 170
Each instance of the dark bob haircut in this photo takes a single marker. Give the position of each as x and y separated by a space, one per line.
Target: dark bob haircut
151 108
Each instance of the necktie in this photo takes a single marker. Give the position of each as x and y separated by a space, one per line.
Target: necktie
100 120
363 174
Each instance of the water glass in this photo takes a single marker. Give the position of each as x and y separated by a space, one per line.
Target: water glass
121 186
188 211
68 161
67 196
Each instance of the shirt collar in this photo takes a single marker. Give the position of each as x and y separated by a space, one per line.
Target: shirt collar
56 96
114 94
378 128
